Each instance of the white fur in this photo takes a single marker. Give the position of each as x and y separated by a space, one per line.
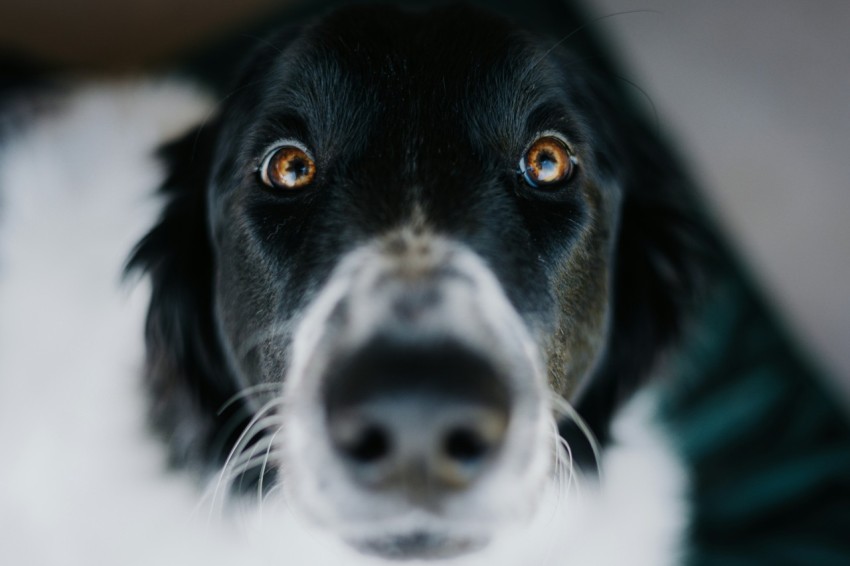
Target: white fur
81 482
474 310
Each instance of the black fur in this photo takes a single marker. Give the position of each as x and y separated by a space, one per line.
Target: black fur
661 256
186 373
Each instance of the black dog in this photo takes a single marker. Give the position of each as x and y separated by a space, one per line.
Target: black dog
402 235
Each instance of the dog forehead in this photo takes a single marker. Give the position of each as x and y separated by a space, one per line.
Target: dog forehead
454 37
395 62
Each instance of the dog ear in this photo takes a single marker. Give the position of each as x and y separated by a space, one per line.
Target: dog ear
186 372
193 393
665 257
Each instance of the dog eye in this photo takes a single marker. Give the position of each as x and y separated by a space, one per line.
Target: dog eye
287 167
547 162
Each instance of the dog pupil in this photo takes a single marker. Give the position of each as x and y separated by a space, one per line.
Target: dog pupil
297 168
547 166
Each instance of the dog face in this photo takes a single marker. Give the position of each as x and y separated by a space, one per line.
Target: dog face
407 142
401 236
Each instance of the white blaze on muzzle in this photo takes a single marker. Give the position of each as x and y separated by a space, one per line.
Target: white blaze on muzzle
412 288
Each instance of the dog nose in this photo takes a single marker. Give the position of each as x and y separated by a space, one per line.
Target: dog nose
423 447
421 422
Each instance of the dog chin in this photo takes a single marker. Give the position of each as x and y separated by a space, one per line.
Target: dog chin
426 543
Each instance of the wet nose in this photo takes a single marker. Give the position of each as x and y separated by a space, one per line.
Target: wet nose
424 422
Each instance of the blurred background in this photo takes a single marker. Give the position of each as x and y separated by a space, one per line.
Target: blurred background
756 94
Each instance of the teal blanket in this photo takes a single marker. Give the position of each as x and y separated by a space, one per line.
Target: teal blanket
766 443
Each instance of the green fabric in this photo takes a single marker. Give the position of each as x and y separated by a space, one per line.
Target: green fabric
767 445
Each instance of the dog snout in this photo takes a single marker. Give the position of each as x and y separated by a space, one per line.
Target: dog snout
422 422
415 392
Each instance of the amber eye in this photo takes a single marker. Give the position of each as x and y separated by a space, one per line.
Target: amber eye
547 162
288 167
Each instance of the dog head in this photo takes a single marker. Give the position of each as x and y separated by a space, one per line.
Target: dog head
401 236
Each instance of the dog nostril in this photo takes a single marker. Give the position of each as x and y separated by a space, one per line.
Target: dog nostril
465 445
369 445
360 438
468 446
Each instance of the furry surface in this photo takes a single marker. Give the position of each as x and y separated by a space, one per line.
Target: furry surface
81 480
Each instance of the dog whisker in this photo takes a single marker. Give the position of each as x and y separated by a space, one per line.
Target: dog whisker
645 95
260 482
563 470
278 487
581 28
256 461
266 388
562 407
566 463
260 427
254 427
240 470
248 460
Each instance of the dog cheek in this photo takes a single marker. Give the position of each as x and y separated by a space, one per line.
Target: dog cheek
247 302
581 288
